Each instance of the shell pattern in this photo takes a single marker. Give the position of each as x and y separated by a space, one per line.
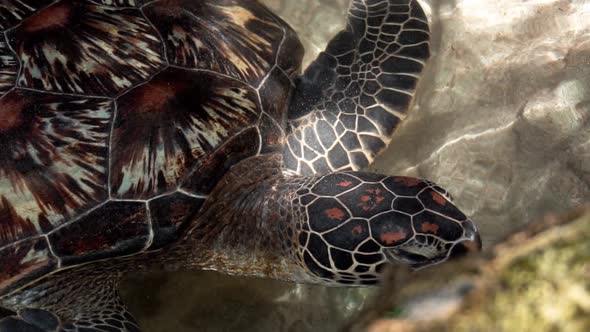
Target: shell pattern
130 109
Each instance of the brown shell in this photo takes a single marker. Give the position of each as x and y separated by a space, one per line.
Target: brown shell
118 117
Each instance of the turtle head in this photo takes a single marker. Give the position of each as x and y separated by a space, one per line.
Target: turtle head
337 229
357 223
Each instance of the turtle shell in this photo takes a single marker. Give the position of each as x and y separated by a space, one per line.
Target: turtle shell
118 117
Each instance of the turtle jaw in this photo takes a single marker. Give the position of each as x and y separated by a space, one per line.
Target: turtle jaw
471 244
413 259
419 258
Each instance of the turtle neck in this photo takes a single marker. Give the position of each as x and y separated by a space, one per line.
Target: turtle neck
245 227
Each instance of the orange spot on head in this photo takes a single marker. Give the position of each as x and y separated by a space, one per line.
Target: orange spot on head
371 200
410 182
344 183
393 237
357 229
429 228
438 198
54 16
11 112
335 214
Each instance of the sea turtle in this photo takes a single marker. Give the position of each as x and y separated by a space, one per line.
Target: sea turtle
173 134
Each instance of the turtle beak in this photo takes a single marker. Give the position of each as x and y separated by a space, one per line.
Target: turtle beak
472 244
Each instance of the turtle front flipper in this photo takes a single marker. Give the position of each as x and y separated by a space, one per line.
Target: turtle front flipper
354 95
70 301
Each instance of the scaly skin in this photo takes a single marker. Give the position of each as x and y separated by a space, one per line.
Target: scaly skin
339 228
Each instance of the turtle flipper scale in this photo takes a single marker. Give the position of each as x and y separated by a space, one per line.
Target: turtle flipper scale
69 302
350 100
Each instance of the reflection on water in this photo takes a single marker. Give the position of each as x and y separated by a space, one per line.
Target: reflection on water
316 21
501 120
209 301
